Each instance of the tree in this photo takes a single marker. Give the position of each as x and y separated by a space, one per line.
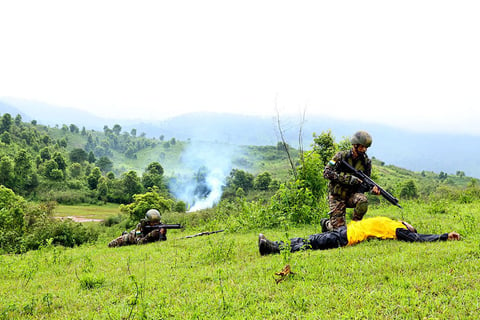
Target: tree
240 179
324 146
22 169
133 132
262 181
6 137
5 123
45 154
63 143
106 130
74 128
11 220
93 178
180 206
144 202
155 167
117 129
131 184
52 171
409 190
78 155
102 189
18 120
75 170
105 164
45 139
6 172
91 157
60 160
153 176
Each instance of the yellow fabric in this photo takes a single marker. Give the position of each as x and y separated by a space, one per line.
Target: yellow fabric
378 227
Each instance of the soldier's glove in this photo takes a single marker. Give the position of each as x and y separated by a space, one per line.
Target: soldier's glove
354 180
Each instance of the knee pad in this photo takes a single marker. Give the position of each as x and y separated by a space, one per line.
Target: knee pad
361 207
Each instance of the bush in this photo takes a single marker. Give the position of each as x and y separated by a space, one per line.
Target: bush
12 225
113 220
144 202
296 203
57 232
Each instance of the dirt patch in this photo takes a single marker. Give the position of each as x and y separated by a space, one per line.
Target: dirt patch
80 219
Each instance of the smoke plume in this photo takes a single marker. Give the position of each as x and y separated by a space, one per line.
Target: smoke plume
202 174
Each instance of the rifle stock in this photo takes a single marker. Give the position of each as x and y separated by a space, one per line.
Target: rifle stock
370 183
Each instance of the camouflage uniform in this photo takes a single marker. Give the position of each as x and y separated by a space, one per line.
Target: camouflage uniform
345 190
140 235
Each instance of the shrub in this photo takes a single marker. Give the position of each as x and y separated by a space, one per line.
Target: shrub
143 202
57 232
12 226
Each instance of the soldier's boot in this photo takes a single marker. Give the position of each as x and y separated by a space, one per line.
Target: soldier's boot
120 241
114 243
336 221
266 246
324 222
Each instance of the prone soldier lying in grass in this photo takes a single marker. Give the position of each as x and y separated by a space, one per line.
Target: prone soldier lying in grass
148 230
353 233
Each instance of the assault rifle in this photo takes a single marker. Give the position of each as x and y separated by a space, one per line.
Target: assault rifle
369 184
160 226
205 233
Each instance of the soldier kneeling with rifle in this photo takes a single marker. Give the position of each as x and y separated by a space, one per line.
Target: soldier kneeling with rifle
148 230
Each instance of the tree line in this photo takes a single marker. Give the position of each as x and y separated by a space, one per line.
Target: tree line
44 164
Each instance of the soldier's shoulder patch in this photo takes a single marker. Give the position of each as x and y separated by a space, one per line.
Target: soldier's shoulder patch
331 163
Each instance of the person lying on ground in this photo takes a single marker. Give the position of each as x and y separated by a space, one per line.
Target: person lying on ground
353 233
142 234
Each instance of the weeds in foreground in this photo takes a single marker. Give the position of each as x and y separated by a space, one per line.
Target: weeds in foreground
222 276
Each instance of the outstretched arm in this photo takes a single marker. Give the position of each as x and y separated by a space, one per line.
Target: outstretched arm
409 236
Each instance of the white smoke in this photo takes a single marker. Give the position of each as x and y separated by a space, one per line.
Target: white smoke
204 169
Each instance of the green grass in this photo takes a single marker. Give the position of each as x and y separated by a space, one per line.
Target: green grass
87 211
222 276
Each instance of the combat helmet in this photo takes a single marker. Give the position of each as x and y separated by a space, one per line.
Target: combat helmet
153 216
362 137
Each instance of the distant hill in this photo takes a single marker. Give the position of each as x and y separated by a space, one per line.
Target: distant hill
415 151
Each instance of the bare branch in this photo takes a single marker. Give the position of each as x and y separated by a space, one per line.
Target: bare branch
284 143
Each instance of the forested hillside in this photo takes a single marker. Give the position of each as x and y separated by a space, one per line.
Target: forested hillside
409 149
70 164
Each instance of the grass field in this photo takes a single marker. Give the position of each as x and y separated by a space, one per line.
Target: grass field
87 211
222 276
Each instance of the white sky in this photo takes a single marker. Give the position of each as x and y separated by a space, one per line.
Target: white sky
414 64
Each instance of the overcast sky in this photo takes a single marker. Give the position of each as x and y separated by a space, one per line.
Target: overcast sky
413 64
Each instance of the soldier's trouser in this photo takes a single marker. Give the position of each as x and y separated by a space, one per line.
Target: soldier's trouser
338 207
133 238
321 241
124 240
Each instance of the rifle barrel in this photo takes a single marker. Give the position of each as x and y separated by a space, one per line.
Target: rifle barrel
390 198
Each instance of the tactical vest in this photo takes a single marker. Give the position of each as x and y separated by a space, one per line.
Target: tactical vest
340 180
